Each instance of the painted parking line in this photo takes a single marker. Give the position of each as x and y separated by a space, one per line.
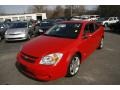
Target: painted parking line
109 49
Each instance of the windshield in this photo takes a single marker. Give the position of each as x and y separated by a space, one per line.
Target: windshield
44 24
69 30
18 25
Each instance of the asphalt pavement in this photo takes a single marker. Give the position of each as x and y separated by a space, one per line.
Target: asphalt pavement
100 68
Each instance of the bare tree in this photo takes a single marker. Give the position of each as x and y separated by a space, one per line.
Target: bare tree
49 13
68 11
58 11
41 9
37 9
71 10
108 10
78 9
2 10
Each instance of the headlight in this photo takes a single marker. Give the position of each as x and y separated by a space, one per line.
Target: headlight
40 30
30 26
1 27
51 59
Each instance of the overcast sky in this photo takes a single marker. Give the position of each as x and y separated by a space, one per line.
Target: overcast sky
23 8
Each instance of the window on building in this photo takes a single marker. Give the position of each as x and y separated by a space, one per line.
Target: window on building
22 18
1 20
15 18
28 17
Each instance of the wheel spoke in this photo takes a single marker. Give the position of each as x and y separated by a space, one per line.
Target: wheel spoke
101 43
74 65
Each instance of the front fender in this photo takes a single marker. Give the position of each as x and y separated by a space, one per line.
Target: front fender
70 54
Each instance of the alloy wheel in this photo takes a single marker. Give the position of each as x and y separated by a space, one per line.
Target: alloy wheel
74 66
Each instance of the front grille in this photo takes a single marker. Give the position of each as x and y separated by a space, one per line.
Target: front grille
28 58
14 38
13 34
23 69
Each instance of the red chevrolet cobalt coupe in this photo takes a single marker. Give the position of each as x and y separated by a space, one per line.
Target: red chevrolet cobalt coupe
60 51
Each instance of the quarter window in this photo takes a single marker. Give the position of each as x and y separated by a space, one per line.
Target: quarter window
90 28
96 27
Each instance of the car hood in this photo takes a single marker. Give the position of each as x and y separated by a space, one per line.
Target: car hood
44 45
16 30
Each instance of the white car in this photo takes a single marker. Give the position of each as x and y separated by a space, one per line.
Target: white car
17 31
110 20
86 17
90 17
94 17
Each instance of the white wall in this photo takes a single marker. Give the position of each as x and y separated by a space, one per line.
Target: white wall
34 16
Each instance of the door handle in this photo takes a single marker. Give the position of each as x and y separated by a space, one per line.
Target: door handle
90 35
85 37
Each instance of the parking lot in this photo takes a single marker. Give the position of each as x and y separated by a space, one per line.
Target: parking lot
102 67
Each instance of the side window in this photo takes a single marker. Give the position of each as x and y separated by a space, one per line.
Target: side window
89 28
110 19
96 27
86 30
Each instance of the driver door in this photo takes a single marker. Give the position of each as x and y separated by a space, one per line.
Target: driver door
88 40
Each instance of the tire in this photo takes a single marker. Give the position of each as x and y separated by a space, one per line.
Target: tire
28 37
106 24
73 66
0 38
101 44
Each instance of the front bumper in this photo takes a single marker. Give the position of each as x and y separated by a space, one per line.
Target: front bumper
15 37
41 72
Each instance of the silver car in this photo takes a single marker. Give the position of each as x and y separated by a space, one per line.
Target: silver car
17 31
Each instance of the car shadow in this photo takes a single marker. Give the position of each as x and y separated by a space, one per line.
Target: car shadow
21 71
16 41
113 31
